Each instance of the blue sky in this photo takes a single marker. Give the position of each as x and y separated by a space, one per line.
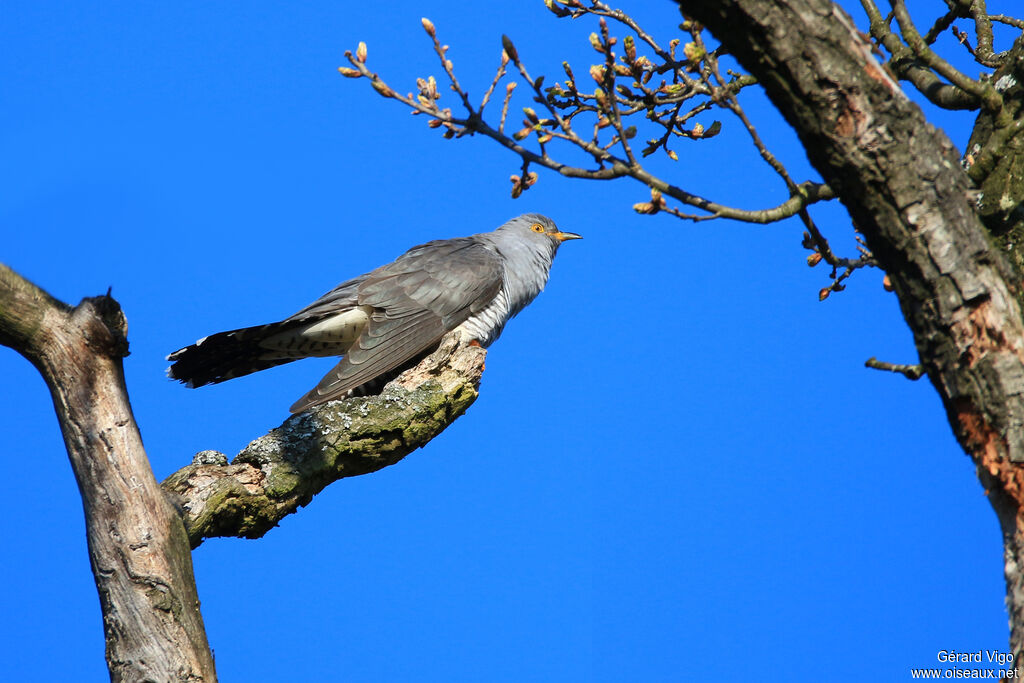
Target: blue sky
678 467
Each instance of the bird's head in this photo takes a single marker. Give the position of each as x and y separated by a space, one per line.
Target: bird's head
540 230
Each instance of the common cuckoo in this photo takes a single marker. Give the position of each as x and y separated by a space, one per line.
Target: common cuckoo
385 321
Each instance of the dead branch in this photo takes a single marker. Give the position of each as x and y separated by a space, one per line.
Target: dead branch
137 543
282 471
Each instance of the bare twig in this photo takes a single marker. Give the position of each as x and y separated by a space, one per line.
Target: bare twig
941 24
1009 21
913 372
816 242
610 105
667 91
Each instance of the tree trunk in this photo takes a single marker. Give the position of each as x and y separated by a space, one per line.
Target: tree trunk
903 185
138 547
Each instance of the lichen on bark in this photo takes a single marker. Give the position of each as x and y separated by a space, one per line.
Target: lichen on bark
282 470
996 162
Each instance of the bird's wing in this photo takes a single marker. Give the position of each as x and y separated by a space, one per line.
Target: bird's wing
340 299
428 291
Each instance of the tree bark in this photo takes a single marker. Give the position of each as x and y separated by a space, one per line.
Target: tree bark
998 168
902 182
137 543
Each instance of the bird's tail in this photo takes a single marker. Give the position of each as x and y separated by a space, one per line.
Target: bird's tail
231 354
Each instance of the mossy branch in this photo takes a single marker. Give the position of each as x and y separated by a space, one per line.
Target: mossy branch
282 470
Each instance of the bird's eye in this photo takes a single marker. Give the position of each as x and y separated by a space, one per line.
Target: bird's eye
537 227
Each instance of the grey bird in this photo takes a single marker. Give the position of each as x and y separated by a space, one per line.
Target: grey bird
387 320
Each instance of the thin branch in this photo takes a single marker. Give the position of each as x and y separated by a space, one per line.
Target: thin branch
497 77
446 64
601 9
913 372
734 106
941 24
1009 21
614 116
815 241
983 30
509 89
983 91
609 167
905 65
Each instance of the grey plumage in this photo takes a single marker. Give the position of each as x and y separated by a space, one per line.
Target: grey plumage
388 319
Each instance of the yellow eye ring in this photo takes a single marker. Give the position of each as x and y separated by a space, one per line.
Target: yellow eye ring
537 227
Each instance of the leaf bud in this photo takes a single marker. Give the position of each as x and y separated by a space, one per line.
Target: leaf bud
382 88
509 48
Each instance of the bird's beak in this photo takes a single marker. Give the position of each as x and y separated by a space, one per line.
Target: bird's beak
563 236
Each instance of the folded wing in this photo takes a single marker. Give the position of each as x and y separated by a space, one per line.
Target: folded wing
427 292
